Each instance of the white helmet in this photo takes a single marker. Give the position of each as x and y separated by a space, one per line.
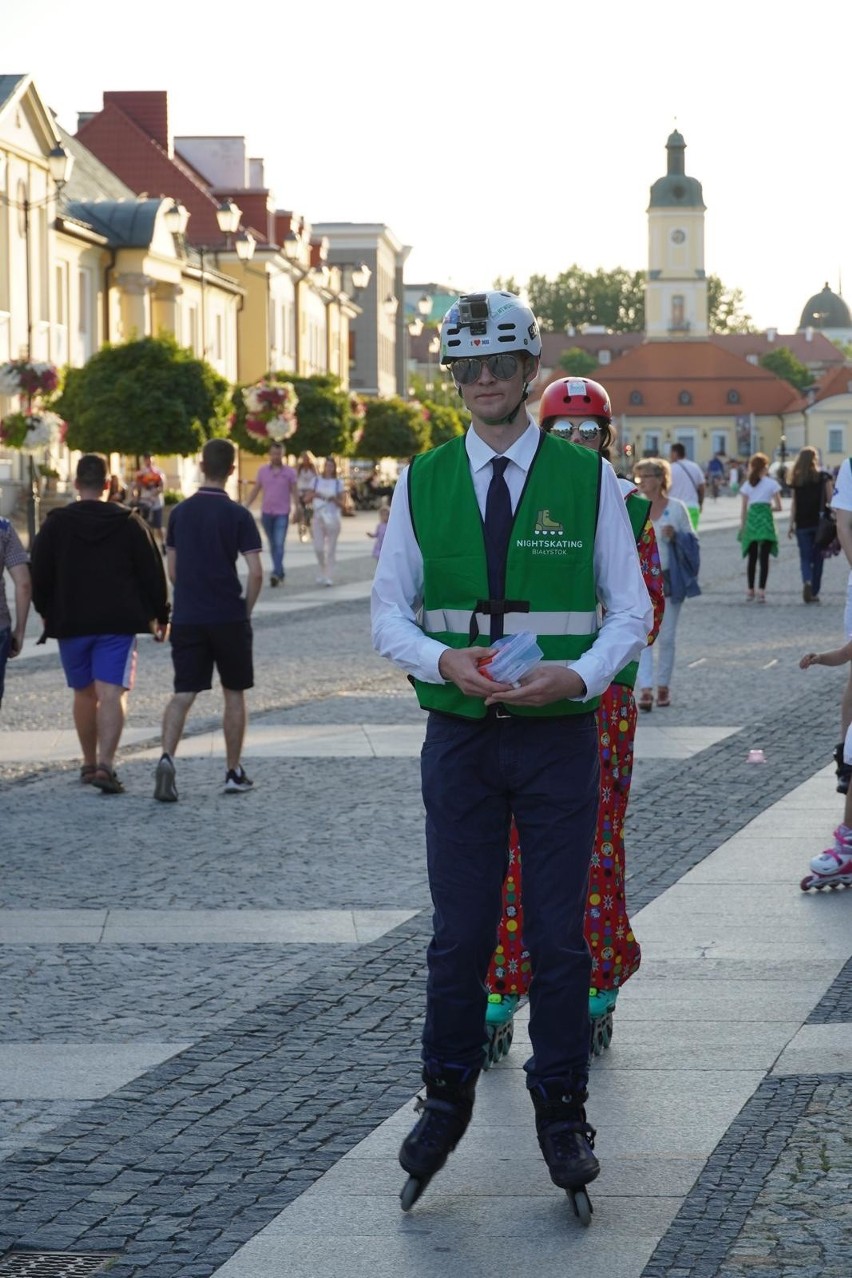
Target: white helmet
485 323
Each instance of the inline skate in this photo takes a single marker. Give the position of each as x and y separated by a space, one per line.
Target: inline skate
832 868
566 1140
446 1111
499 1026
601 1008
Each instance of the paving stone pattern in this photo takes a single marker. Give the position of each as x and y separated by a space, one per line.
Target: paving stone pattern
302 1053
773 1198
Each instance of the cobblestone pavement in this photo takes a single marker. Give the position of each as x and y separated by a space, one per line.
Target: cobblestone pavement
298 1051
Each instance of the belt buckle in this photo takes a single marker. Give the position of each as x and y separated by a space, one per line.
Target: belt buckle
500 711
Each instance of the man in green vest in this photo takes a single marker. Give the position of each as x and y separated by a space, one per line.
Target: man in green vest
501 531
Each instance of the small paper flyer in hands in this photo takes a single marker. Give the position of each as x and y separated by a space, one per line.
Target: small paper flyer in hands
515 657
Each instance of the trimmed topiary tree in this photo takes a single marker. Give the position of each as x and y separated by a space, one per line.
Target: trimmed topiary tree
147 396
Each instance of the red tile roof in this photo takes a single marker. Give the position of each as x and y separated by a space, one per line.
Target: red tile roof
717 383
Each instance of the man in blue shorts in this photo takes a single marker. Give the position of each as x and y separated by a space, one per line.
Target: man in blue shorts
98 581
210 623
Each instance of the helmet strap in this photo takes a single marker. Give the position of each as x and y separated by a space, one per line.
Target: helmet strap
509 419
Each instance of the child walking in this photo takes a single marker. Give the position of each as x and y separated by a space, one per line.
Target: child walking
833 867
379 534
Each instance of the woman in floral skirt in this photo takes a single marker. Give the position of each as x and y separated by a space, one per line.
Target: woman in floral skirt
578 409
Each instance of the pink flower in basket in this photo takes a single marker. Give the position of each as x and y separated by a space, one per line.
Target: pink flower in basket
20 377
271 410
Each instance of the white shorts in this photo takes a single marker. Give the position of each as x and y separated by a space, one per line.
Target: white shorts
847 746
847 615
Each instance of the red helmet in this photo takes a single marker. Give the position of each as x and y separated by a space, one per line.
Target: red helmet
574 397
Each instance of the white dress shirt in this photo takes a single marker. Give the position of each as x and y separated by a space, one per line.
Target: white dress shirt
397 593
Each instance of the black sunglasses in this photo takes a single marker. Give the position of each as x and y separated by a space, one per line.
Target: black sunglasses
466 371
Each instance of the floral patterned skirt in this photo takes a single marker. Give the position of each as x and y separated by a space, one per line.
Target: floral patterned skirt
615 951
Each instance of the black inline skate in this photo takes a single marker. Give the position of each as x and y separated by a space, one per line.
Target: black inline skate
446 1111
566 1140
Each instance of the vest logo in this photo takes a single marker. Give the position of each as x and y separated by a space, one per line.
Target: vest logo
547 527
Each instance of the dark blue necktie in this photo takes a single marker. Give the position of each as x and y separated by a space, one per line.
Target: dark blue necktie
498 525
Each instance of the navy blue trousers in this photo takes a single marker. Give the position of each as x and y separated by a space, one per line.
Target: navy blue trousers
475 776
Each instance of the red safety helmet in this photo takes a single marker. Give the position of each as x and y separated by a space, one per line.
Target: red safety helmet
574 397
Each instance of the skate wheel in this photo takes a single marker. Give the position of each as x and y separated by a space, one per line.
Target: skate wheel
606 1033
507 1038
411 1191
582 1205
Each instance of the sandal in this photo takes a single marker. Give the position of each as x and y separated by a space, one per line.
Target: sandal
761 597
646 699
749 596
106 780
87 771
663 697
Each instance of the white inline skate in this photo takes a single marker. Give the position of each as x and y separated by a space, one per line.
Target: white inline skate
832 868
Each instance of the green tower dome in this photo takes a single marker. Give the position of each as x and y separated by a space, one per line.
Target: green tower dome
676 190
825 310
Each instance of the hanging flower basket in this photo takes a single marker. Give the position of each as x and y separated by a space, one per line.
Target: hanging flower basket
32 432
20 377
271 410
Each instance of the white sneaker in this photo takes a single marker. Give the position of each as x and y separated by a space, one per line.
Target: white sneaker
321 581
327 581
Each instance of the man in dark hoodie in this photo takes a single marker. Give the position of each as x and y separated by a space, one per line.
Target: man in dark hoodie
98 581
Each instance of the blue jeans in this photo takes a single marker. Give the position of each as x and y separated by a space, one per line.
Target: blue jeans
275 527
663 649
475 775
810 558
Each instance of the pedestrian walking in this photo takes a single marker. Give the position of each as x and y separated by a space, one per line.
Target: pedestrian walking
578 409
14 560
306 472
327 506
378 533
211 623
279 485
760 496
688 484
502 530
98 582
677 544
811 490
149 487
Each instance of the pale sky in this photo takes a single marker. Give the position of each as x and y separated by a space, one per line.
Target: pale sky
503 139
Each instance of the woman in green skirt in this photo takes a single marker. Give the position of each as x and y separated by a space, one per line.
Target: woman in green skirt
761 495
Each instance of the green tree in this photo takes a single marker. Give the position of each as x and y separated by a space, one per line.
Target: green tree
578 363
323 412
146 396
725 308
394 428
615 300
445 423
783 363
441 390
606 299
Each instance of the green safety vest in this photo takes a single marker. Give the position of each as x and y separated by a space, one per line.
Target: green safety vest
638 509
550 577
